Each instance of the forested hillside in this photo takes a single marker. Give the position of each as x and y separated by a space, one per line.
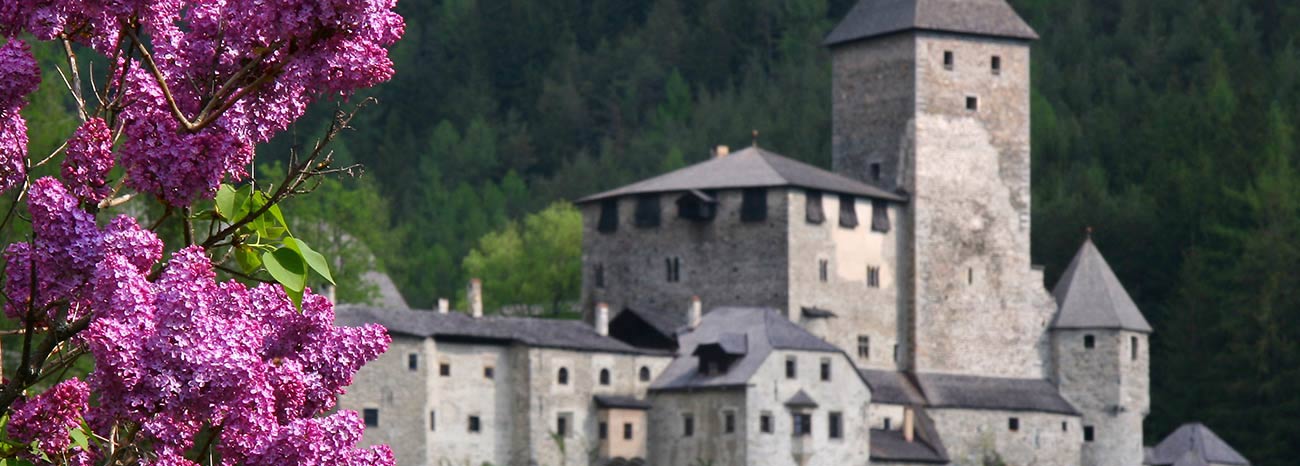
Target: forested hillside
1166 125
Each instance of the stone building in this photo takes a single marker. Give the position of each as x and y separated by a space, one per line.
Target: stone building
754 310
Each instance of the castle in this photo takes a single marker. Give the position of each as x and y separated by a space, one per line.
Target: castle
755 310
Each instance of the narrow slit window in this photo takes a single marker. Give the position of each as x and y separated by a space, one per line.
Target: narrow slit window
1133 348
873 277
948 60
688 425
791 368
433 421
864 347
729 422
826 370
895 353
413 362
835 425
848 212
823 270
996 64
562 424
627 431
887 424
602 430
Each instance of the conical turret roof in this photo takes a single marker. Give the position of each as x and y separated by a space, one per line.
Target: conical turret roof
874 18
1193 442
1089 295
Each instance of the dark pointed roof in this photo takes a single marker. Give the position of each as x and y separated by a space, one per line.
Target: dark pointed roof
1192 442
1089 295
801 400
874 18
749 168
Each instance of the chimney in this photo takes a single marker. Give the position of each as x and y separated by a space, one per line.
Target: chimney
602 319
697 312
722 151
444 305
475 298
909 425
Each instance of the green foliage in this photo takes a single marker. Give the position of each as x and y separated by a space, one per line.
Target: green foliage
536 263
263 241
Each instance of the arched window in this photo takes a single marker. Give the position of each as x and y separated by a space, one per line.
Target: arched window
604 376
563 376
645 374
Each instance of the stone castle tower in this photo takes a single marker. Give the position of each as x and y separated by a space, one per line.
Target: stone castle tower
931 97
1099 341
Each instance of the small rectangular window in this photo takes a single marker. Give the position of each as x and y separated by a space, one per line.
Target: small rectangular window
895 353
972 103
371 416
765 423
444 369
603 430
835 425
1133 348
433 421
627 431
1089 341
826 370
608 216
489 372
729 422
1065 426
753 206
563 423
1087 433
474 425
1013 424
880 216
947 60
823 270
802 424
413 362
997 65
848 212
887 424
864 347
647 211
791 368
873 277
815 215
875 172
673 266
688 425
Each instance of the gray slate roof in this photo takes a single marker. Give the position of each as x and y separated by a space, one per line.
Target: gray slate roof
1194 442
764 329
965 392
890 446
801 400
749 168
620 402
874 18
1089 295
543 333
667 323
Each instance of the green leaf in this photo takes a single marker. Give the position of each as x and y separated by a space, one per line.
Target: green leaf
226 201
314 259
243 199
79 438
296 297
287 267
248 259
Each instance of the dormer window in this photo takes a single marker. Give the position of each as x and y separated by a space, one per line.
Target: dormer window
848 212
608 216
697 205
815 214
879 216
716 357
647 211
948 60
753 206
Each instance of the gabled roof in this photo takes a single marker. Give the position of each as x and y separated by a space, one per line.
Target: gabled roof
764 330
749 168
1089 295
965 392
620 402
1192 442
875 18
543 333
801 400
926 445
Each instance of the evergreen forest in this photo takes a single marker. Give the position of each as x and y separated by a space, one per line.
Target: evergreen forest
1168 126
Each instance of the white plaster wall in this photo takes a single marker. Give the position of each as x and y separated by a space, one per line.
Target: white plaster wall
468 393
844 393
971 434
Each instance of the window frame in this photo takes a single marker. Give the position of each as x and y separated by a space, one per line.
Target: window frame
604 377
562 376
688 425
995 64
825 370
444 369
801 424
791 367
949 60
475 424
765 422
370 417
864 347
835 425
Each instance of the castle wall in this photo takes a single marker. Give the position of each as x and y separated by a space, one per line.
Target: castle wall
861 310
873 108
845 393
1109 387
468 392
668 444
394 400
1044 439
723 261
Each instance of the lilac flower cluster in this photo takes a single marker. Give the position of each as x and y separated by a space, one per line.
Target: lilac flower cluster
90 157
47 418
19 76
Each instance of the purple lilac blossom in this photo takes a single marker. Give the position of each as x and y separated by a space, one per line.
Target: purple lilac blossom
89 158
47 418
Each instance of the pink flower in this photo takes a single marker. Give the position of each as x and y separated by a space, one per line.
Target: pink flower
48 417
90 157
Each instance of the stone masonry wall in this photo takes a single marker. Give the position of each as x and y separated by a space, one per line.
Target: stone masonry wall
970 186
873 108
468 392
1043 439
860 310
668 444
845 393
1110 388
404 391
724 261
